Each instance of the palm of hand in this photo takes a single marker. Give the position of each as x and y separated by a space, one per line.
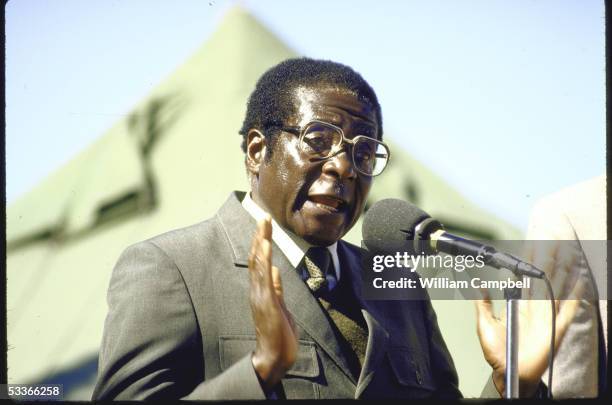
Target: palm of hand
534 330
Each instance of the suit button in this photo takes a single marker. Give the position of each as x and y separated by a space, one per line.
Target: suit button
419 378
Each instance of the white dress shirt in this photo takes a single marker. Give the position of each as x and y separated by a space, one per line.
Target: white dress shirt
292 246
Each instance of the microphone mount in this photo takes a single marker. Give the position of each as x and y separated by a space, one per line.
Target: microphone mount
431 238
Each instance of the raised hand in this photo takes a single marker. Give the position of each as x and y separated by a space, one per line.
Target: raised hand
534 325
276 348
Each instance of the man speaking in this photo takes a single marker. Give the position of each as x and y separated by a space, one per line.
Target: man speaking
264 299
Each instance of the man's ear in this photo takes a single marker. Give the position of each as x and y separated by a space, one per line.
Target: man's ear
255 150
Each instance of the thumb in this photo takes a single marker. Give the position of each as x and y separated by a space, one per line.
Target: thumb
484 308
278 288
277 283
485 321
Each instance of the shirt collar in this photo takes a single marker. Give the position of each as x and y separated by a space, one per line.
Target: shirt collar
290 244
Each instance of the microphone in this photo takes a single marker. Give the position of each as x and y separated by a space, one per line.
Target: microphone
392 220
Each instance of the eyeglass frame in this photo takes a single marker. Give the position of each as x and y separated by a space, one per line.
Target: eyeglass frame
336 149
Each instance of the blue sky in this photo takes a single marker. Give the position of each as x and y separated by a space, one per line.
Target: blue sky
503 99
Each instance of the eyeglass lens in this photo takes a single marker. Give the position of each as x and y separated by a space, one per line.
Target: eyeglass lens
369 156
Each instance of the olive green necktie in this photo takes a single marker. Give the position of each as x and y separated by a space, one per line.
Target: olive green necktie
318 263
340 305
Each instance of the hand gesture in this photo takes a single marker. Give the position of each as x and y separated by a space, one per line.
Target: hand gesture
276 348
534 320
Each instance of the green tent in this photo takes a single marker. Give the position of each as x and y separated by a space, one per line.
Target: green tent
169 163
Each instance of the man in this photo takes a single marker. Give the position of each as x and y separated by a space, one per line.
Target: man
202 313
578 213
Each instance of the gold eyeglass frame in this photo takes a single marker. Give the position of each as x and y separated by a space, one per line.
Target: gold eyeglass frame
337 148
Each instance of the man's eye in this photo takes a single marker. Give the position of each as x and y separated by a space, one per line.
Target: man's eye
364 152
316 142
364 155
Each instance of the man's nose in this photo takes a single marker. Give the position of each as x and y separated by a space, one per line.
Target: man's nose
340 165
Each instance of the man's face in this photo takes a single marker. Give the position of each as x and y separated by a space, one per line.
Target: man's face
317 200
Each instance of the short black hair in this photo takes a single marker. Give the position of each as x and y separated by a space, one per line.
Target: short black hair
273 100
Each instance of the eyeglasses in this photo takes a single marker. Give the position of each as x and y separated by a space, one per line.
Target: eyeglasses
322 140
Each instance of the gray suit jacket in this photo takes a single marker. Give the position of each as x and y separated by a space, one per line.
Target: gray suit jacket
578 213
179 326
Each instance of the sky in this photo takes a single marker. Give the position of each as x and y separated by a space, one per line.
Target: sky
504 99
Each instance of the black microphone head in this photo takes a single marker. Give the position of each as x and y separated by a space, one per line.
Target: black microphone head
389 223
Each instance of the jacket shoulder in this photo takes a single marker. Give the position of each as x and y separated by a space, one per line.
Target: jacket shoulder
354 249
188 247
192 236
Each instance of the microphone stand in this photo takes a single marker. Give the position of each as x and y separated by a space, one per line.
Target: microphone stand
512 296
431 230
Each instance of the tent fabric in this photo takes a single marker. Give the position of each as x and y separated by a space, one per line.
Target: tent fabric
169 163
69 199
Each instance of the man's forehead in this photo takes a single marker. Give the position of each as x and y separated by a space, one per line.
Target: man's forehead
332 103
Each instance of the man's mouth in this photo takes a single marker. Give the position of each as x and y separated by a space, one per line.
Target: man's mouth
328 202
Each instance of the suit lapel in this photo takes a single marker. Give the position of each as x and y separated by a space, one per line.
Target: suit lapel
307 311
377 334
240 227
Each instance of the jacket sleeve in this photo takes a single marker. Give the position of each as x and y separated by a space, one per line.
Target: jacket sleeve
576 361
489 390
151 346
443 368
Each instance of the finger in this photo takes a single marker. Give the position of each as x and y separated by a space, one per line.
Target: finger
484 307
265 263
277 283
278 289
267 227
255 244
266 247
260 257
485 321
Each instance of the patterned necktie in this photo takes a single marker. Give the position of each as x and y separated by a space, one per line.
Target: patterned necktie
340 306
318 262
